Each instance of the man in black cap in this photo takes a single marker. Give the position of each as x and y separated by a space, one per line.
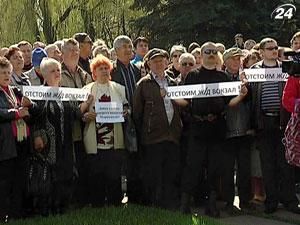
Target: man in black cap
85 45
159 125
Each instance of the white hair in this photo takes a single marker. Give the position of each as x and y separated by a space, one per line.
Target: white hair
46 62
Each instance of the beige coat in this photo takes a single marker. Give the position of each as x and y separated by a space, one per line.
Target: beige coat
117 94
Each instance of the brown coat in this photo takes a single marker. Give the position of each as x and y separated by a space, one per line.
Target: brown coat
150 115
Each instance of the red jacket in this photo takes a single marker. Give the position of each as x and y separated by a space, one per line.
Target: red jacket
291 93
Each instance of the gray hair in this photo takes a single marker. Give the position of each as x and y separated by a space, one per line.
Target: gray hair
46 62
121 40
50 47
187 56
70 41
179 48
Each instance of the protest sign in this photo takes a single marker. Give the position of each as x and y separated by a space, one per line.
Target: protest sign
55 93
204 90
109 112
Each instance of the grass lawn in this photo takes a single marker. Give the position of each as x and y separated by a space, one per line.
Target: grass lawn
131 215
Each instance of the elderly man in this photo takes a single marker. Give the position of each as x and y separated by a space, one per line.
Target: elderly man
124 72
34 74
270 119
53 52
26 48
74 76
207 130
85 46
159 125
238 141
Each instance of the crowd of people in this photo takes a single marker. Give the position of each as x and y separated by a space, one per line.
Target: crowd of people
54 154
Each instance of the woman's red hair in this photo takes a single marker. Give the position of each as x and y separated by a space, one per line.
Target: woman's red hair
98 61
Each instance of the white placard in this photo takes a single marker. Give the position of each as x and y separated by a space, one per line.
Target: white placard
55 93
265 74
204 90
109 112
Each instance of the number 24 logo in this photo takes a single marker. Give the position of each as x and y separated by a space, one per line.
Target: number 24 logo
285 11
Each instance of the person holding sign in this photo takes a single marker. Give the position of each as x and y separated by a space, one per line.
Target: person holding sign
103 134
269 121
57 118
14 144
238 142
159 125
207 130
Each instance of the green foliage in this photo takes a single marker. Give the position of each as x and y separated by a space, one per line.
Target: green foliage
164 22
178 21
51 20
132 215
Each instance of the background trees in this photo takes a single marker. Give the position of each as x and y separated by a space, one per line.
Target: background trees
164 22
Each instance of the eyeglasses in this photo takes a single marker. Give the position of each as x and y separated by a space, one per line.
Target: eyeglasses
209 51
175 56
187 64
272 48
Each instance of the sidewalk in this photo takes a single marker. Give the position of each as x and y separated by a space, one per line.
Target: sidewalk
280 217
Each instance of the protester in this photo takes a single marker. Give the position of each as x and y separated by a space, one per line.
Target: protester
18 78
207 131
175 53
3 51
270 120
104 142
57 119
239 41
127 74
26 48
53 52
14 148
85 46
193 46
159 126
238 142
73 76
221 48
249 44
141 47
34 73
101 50
197 54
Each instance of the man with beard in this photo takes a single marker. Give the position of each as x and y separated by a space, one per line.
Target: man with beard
207 131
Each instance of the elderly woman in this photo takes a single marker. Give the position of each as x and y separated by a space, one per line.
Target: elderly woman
104 142
56 119
175 53
14 144
15 56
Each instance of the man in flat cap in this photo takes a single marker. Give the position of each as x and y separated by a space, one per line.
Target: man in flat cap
237 147
159 125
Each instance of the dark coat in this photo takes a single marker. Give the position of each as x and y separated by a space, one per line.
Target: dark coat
50 118
7 116
150 115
